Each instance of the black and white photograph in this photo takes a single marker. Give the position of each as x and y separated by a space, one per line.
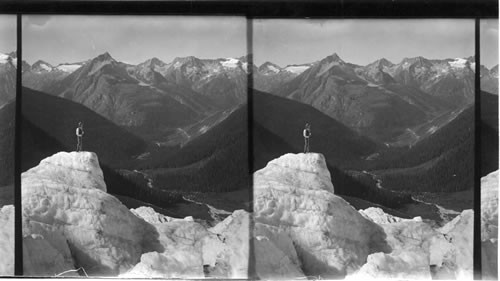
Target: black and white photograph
363 133
8 64
489 147
135 146
249 140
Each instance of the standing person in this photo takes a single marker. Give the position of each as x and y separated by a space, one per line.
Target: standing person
79 136
307 135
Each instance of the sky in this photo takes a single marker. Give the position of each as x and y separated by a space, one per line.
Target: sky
131 39
8 33
489 42
360 41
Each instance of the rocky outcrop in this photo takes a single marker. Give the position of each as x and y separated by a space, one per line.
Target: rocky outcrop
64 205
295 209
70 222
303 228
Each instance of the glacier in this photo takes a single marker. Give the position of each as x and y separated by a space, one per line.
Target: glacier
70 222
303 229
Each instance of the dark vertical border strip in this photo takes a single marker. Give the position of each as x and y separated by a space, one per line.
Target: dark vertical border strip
18 231
250 67
477 157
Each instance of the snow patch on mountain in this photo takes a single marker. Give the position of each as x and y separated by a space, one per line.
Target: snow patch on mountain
297 69
458 63
69 68
45 67
4 58
230 63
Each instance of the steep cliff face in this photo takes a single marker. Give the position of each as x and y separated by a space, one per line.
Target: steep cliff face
70 222
313 232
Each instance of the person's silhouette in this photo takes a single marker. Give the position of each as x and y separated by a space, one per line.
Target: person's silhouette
307 135
79 137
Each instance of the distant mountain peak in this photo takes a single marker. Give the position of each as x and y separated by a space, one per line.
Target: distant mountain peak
41 66
381 63
494 71
104 57
185 59
269 67
154 61
267 63
334 57
244 58
413 60
385 62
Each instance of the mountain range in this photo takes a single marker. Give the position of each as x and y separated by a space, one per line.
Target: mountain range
397 104
153 99
177 125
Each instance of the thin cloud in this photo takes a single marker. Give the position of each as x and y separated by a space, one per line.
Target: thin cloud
361 41
8 33
134 38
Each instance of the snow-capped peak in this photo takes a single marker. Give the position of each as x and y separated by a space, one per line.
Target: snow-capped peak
269 68
100 61
230 63
458 63
41 66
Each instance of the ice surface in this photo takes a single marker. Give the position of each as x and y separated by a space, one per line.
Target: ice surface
489 225
188 249
489 206
302 228
69 221
7 240
294 194
68 67
64 201
297 69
